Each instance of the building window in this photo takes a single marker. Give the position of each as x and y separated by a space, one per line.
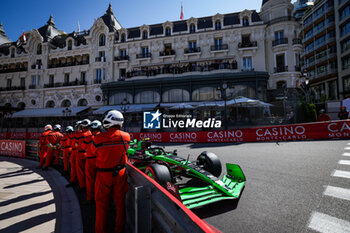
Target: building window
247 63
102 56
176 95
279 35
145 52
50 104
145 35
82 102
82 78
218 43
35 80
245 21
102 40
122 74
147 97
13 52
280 63
332 90
281 85
192 28
98 75
70 44
23 82
66 104
51 79
39 49
217 25
204 93
345 45
118 98
344 29
346 83
168 31
66 78
192 46
9 83
345 63
246 40
344 13
122 53
122 38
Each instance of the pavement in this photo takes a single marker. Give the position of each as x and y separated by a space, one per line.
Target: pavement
32 200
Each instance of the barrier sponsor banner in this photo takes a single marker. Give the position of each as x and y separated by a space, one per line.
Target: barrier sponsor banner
13 148
294 132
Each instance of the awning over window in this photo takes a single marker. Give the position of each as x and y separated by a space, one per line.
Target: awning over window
130 108
49 112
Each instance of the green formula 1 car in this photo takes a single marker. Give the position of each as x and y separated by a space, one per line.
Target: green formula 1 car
195 183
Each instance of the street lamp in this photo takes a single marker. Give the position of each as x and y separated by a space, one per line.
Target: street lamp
67 113
124 106
225 92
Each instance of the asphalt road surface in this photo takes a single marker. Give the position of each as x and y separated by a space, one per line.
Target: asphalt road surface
290 187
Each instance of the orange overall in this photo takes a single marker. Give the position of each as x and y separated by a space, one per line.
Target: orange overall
65 146
80 159
53 138
73 155
43 147
90 165
109 149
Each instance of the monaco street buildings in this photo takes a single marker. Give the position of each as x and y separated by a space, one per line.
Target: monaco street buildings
326 38
256 54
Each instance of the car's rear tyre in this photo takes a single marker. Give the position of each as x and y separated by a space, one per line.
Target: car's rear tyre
159 173
210 163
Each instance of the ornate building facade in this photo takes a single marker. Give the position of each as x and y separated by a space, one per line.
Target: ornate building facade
254 53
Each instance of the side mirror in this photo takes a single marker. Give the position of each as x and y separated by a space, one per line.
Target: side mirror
175 152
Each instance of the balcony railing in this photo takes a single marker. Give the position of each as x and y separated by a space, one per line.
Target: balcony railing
167 53
68 64
280 69
97 81
100 59
65 84
12 70
247 44
192 50
143 55
32 86
297 41
280 41
219 47
121 58
297 68
247 69
14 88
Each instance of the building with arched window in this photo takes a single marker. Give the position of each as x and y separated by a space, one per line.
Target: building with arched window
170 62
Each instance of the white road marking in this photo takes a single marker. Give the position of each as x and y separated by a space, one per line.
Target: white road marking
327 224
337 192
344 162
346 154
347 148
342 174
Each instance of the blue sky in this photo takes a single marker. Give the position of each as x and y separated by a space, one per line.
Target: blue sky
23 15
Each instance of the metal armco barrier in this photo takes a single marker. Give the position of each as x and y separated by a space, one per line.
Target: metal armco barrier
151 208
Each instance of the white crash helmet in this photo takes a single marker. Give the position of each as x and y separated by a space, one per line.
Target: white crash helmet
96 125
57 127
113 117
85 123
77 124
69 129
48 127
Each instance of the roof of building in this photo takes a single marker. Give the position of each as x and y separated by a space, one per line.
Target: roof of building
206 22
231 19
49 30
110 20
156 29
3 38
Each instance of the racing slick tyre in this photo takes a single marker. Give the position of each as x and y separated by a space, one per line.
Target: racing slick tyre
210 163
159 173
